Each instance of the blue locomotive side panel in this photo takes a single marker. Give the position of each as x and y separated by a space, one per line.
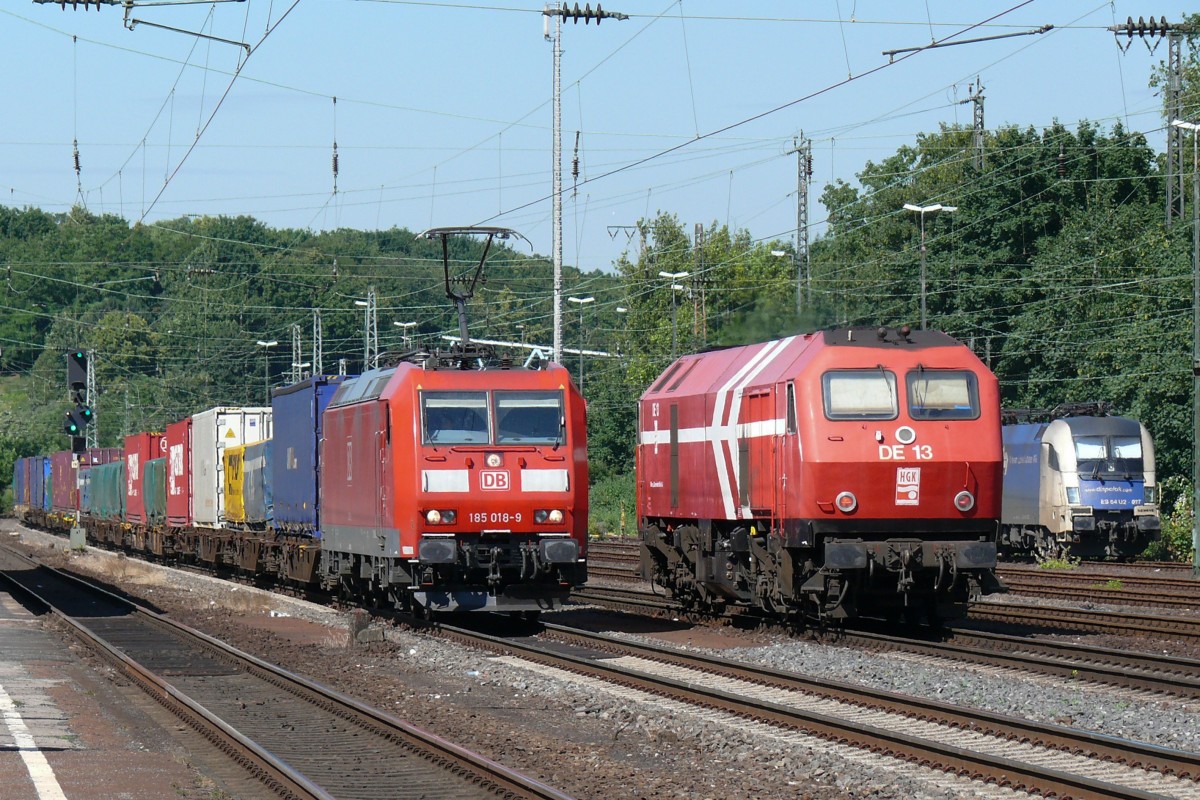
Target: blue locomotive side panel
1022 474
297 411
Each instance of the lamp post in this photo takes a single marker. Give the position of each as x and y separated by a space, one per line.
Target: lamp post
922 211
266 346
672 276
404 326
1195 130
581 301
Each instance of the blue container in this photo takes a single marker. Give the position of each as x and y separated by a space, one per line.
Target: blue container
47 484
85 492
256 483
297 412
21 482
37 480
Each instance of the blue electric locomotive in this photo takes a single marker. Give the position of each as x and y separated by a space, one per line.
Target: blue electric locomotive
1077 482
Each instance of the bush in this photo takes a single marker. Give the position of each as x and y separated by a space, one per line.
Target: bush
1175 541
612 500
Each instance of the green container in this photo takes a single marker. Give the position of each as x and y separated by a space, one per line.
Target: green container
108 491
154 488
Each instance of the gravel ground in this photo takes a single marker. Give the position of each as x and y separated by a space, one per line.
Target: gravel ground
591 740
1131 714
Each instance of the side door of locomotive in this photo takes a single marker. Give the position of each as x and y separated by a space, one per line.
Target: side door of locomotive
758 451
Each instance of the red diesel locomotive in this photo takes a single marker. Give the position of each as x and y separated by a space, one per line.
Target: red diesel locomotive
852 472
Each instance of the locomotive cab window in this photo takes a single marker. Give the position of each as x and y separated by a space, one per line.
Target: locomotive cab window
528 417
860 394
1106 455
942 394
454 418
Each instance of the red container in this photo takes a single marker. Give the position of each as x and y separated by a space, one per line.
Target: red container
95 456
64 491
139 448
179 473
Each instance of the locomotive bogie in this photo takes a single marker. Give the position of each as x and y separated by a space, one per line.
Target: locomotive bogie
852 472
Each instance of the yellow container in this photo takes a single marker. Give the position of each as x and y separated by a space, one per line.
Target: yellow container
235 509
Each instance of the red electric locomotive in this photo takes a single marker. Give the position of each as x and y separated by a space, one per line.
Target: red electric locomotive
456 480
838 474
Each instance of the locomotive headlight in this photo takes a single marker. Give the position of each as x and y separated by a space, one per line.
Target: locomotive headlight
1151 494
1073 495
443 516
493 460
964 501
846 502
551 516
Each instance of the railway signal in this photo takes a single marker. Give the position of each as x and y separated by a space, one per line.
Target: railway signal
82 415
77 361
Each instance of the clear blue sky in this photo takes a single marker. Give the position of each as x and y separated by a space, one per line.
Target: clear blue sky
443 110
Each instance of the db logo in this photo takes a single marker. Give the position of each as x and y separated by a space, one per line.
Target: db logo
493 480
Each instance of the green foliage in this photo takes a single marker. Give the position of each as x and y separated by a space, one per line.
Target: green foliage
1112 583
612 510
1175 540
1059 563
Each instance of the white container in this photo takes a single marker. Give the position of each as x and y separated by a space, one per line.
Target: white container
212 431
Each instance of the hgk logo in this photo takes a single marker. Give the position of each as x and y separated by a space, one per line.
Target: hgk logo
493 480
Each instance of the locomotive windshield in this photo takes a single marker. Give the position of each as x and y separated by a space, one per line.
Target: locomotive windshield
528 417
860 394
942 394
520 417
1107 456
455 417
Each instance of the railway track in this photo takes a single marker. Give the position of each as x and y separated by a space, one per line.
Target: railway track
1151 584
1040 758
1149 672
300 739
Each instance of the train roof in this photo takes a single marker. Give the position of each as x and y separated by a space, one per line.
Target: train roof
770 362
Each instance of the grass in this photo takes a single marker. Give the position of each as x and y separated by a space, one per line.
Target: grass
1059 563
1112 583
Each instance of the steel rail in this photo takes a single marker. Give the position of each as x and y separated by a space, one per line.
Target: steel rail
285 780
958 760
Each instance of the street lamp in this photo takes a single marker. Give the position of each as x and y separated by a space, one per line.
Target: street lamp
266 346
582 301
1195 129
674 288
404 326
922 211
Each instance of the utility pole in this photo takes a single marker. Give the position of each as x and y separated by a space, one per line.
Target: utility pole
1173 32
318 335
297 355
559 14
699 286
802 147
370 331
976 98
92 432
1194 128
